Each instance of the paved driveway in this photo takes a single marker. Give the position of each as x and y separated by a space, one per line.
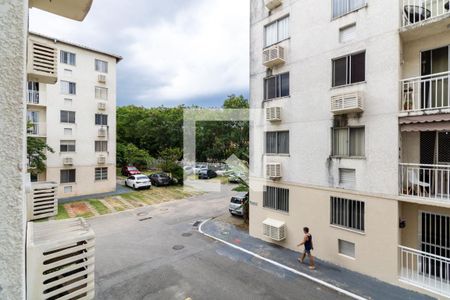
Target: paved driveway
157 253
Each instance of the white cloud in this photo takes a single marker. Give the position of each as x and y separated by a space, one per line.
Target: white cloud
197 50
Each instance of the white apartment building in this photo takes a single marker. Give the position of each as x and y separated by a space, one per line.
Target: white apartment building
77 118
353 138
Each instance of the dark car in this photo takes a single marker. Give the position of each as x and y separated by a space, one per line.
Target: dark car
160 179
130 170
206 174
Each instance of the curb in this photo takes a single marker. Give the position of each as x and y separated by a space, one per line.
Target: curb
304 275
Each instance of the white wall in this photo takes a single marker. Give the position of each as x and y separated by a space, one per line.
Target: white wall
13 24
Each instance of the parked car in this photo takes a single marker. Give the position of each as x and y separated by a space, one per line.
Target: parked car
199 168
236 206
138 182
207 174
130 170
188 170
160 179
236 177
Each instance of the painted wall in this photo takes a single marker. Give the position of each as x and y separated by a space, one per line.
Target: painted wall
14 28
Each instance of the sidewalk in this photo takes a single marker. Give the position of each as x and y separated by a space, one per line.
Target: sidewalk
120 190
350 281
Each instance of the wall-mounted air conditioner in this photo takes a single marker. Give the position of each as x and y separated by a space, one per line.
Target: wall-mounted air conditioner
274 229
271 4
101 106
101 78
101 160
347 103
273 56
41 201
273 170
273 114
68 161
102 132
42 62
60 260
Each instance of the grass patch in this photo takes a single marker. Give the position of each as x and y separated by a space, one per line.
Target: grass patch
241 188
62 213
99 206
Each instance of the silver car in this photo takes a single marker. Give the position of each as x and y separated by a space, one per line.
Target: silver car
237 204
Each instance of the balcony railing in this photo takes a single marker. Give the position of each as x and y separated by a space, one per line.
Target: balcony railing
33 97
37 129
428 92
426 181
425 270
416 11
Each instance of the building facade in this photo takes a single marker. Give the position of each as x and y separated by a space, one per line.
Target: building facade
77 118
352 138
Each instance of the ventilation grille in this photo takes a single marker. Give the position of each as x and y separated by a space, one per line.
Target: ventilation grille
60 260
68 161
347 103
273 170
42 202
273 56
42 62
274 229
101 106
273 114
102 132
101 160
272 4
102 78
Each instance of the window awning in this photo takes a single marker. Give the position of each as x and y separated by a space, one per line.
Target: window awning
438 122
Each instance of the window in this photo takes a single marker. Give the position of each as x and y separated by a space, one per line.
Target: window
67 189
349 69
68 58
68 88
101 146
347 213
67 176
276 86
348 141
346 248
342 7
101 119
67 146
101 66
67 116
101 173
347 178
277 142
101 93
276 198
276 31
67 131
347 33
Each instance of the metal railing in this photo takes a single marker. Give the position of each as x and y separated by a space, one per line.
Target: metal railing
427 181
425 92
425 270
33 97
38 129
416 11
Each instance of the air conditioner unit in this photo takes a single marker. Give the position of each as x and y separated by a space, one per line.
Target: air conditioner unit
102 132
41 201
101 160
273 170
271 4
60 259
273 56
102 78
68 161
101 106
273 114
274 229
347 103
42 62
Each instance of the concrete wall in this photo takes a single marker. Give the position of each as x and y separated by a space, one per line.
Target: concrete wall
13 24
84 131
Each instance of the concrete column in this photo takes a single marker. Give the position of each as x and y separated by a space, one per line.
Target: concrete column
13 37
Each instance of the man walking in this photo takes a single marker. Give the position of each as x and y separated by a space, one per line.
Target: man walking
307 242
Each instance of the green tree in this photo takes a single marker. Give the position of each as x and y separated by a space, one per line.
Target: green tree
169 163
36 154
131 155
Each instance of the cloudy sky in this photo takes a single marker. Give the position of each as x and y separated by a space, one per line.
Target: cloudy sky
175 51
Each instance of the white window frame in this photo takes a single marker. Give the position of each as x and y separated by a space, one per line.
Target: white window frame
348 213
101 173
68 58
275 201
278 39
348 10
68 182
101 146
68 113
70 145
101 93
348 142
68 87
101 66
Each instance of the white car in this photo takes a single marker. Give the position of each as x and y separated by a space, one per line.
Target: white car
138 182
188 170
236 206
199 168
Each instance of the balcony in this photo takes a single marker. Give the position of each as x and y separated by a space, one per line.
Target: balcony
33 97
37 130
425 270
423 94
425 181
75 10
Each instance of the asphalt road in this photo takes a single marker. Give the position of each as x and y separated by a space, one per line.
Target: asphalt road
157 253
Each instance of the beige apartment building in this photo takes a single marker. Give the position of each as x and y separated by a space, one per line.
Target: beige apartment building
353 138
77 117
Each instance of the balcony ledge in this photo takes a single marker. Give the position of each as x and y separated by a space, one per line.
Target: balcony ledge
72 9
